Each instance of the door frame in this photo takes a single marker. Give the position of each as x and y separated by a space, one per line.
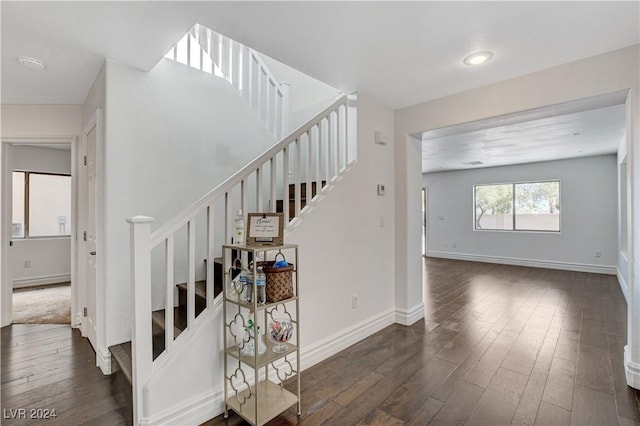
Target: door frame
103 356
6 178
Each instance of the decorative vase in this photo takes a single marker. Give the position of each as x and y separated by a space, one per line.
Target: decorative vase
248 348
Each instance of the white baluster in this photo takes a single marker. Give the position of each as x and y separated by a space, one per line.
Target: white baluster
141 343
267 104
285 185
318 161
259 205
272 184
297 177
228 217
309 167
284 110
211 247
191 277
169 302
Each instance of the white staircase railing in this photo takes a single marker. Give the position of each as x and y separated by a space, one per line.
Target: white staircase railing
208 51
313 156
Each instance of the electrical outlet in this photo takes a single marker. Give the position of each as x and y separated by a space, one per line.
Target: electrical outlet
598 253
381 221
354 301
453 245
27 264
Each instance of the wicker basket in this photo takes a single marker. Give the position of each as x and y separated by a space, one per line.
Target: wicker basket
279 281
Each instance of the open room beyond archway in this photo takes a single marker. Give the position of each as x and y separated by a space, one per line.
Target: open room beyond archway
37 249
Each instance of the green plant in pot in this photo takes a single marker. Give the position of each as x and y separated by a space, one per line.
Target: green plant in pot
248 348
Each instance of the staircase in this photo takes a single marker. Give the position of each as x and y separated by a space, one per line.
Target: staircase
172 304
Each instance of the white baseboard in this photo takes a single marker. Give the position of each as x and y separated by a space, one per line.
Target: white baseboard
409 316
632 370
103 360
43 280
323 349
549 264
192 412
203 407
623 286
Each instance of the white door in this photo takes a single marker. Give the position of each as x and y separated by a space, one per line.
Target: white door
90 246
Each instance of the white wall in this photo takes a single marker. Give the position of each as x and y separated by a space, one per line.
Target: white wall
588 216
50 258
304 91
597 75
40 159
624 242
41 120
172 135
343 252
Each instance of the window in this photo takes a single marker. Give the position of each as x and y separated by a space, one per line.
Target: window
41 205
527 206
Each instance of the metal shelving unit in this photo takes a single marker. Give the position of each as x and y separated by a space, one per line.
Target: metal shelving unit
258 404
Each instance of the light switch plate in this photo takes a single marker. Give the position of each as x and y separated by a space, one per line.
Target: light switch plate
380 189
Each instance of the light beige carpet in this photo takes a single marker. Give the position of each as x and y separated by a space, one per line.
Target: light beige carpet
42 305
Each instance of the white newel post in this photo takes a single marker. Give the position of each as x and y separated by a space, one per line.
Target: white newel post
141 345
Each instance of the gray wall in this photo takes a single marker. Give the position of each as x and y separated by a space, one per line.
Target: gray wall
588 220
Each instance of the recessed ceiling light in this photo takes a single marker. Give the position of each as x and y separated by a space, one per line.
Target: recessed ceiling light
31 63
478 58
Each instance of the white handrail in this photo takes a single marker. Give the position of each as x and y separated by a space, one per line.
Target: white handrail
192 211
211 52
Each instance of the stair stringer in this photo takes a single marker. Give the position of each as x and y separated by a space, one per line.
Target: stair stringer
186 385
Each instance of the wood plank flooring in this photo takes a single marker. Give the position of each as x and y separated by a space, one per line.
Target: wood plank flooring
499 345
49 370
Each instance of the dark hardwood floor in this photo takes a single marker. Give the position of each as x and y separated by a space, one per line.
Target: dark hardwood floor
49 377
500 345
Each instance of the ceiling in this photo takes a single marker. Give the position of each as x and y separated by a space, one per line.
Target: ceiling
556 132
401 53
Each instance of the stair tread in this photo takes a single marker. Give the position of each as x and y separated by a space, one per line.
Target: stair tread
201 289
122 355
158 317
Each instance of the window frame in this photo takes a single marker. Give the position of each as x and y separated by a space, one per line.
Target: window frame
513 207
26 235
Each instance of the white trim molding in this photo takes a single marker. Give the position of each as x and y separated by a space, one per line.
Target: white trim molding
624 287
323 349
192 412
549 264
632 370
43 280
409 316
103 360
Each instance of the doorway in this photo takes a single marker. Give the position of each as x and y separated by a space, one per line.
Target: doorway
37 236
41 224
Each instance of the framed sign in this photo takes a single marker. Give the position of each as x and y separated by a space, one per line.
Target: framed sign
265 229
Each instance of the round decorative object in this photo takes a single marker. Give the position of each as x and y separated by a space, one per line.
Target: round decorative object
280 331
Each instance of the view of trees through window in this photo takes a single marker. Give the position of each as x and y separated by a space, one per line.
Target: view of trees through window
41 205
528 206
